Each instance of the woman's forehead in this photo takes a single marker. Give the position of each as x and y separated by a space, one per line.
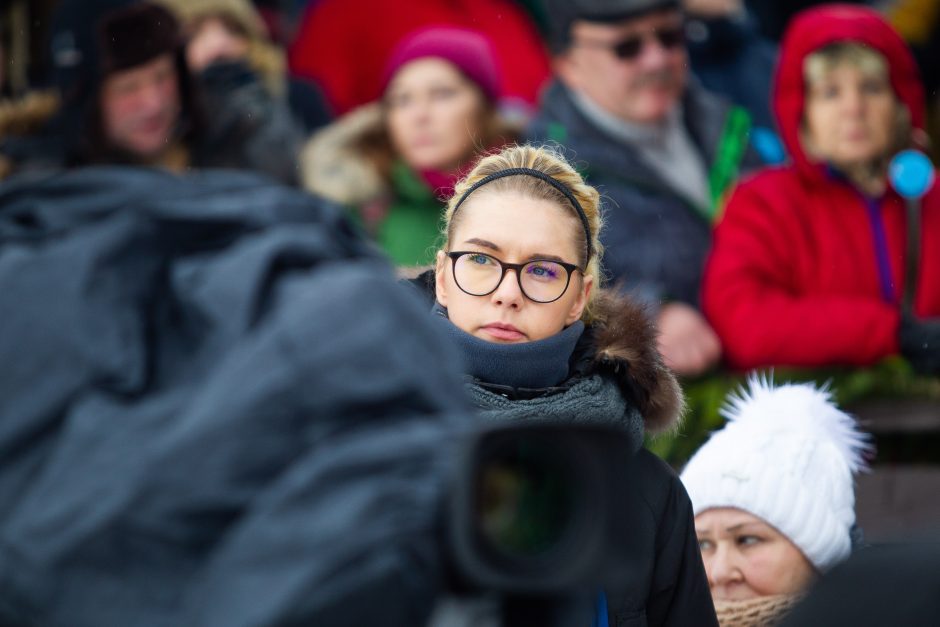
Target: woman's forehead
517 222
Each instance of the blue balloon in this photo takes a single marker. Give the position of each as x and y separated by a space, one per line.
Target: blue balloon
911 173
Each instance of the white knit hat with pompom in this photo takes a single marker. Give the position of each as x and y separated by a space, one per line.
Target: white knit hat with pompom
787 455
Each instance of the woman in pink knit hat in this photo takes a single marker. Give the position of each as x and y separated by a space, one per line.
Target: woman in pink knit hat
393 161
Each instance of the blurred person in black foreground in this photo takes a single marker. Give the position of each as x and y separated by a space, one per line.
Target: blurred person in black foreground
217 407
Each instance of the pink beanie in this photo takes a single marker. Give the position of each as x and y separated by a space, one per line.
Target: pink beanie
469 50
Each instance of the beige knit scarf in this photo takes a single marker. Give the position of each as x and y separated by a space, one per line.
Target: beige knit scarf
758 612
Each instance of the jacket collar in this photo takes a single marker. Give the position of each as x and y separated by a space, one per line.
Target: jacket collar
621 343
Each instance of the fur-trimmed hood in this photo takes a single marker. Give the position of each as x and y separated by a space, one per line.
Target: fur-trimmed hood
620 343
28 114
624 338
332 162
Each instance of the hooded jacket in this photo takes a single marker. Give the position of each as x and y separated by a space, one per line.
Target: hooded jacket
806 270
667 581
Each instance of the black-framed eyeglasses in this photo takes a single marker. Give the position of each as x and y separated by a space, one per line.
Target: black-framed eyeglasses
630 48
540 280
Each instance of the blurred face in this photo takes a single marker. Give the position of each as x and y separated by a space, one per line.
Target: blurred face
435 114
515 229
140 107
635 69
850 118
746 558
214 41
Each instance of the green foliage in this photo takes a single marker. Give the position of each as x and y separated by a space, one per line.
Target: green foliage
889 379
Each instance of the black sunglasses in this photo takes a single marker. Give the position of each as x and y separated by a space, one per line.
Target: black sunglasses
630 48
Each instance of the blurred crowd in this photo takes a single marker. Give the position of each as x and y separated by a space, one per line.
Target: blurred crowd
384 115
764 195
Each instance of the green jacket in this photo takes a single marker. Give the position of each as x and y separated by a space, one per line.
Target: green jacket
410 232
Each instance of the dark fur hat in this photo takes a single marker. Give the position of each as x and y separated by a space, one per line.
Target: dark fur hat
91 39
135 35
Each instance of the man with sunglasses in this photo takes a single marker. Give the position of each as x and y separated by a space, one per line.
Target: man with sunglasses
660 148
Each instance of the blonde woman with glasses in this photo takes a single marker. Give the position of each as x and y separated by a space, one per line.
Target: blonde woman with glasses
517 286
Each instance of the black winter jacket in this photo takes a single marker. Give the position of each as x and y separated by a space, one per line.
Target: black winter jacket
668 586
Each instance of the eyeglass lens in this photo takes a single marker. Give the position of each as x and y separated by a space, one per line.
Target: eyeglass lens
630 48
542 281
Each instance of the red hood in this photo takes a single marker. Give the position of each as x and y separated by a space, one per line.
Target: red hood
814 28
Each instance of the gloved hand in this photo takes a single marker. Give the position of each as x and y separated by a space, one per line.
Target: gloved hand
920 343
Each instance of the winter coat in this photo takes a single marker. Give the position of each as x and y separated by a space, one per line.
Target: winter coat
247 128
668 584
654 240
216 408
806 270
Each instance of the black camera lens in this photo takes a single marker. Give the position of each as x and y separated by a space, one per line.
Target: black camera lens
525 499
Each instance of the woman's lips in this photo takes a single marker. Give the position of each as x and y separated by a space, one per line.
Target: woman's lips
502 331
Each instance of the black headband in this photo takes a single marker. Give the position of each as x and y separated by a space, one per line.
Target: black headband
564 189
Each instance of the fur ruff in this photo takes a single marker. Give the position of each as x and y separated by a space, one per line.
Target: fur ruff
333 165
28 114
625 340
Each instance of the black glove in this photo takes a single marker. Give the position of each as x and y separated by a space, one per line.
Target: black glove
920 343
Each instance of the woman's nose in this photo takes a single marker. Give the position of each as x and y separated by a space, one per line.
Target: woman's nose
722 568
508 292
853 102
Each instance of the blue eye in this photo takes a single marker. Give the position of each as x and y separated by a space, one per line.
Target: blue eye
748 540
479 259
545 272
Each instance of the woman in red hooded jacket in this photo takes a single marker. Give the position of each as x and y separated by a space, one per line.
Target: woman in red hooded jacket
808 264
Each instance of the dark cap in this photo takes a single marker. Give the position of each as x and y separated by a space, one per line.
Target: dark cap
562 14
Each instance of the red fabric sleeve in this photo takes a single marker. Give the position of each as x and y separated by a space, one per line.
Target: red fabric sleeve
755 292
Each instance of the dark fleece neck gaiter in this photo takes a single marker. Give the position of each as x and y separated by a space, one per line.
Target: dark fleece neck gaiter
532 365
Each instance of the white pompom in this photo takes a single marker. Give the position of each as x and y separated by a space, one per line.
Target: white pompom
798 408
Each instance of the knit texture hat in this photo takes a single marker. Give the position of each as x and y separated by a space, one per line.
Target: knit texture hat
469 50
787 456
562 14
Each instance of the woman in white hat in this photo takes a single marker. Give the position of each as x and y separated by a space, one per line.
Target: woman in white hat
773 497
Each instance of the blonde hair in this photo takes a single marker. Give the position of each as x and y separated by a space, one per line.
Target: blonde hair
549 162
821 62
